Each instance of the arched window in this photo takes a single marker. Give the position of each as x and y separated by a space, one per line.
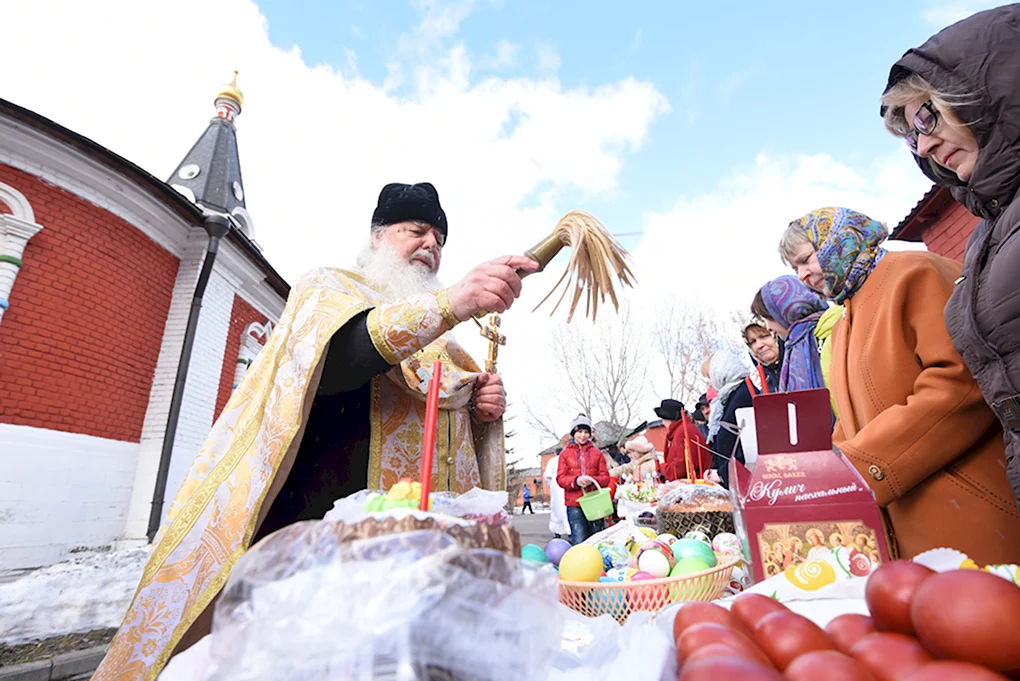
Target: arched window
17 226
243 220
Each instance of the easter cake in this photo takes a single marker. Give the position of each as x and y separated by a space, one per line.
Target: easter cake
706 508
396 511
440 595
472 520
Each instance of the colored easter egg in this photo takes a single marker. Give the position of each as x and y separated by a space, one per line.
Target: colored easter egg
654 563
694 548
641 575
688 566
621 574
613 556
666 538
726 543
581 563
533 553
698 535
555 549
662 564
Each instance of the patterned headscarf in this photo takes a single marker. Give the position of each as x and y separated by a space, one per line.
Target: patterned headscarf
798 308
848 247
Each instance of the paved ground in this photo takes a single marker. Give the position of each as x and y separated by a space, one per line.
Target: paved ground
534 529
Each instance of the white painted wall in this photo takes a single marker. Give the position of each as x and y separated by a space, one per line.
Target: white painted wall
200 390
60 491
203 385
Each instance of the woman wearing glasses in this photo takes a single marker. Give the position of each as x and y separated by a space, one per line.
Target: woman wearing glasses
911 416
956 101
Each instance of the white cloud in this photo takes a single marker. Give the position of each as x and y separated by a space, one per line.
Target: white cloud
548 59
441 20
506 53
733 82
947 13
723 245
317 143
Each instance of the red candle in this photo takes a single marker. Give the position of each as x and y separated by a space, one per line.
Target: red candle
428 438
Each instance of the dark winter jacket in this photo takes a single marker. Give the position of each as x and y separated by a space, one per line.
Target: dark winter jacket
980 57
725 440
575 461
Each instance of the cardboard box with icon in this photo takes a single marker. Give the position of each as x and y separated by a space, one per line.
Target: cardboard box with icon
804 508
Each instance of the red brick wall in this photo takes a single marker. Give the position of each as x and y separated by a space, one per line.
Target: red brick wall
79 344
948 235
241 315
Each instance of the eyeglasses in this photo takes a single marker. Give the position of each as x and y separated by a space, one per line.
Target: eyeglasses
926 120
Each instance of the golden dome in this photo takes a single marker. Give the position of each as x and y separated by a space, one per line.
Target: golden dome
231 92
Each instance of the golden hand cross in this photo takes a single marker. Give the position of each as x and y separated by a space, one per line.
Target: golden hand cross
496 339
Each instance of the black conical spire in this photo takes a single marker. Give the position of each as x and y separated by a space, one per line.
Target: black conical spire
210 173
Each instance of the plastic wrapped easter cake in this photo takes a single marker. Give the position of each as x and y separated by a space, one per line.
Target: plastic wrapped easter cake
476 520
381 590
695 507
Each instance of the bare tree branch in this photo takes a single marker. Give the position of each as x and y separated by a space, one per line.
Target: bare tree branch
602 370
538 421
684 337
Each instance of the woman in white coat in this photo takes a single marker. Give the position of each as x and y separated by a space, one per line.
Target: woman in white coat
557 505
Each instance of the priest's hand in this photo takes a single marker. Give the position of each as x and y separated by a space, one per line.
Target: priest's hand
489 398
491 287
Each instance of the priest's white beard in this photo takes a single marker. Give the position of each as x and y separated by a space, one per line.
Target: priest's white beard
393 275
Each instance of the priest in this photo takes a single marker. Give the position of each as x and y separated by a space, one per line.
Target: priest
333 404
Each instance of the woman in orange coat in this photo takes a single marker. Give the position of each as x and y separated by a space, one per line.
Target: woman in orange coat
911 417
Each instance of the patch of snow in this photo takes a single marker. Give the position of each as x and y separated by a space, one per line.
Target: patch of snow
77 595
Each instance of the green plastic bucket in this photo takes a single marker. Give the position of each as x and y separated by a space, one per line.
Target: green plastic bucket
596 505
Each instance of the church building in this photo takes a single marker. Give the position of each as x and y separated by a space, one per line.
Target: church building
99 266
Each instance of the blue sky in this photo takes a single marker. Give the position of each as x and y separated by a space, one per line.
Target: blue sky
740 77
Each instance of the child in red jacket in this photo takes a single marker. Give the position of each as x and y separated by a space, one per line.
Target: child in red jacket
581 467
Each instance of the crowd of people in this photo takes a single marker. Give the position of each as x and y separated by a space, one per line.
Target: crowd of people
921 356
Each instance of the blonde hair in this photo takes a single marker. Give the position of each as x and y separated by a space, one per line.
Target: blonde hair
914 88
795 236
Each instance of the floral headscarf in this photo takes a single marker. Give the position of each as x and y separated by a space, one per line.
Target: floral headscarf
798 308
848 247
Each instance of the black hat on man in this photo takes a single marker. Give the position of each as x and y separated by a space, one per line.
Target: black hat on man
402 202
670 410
